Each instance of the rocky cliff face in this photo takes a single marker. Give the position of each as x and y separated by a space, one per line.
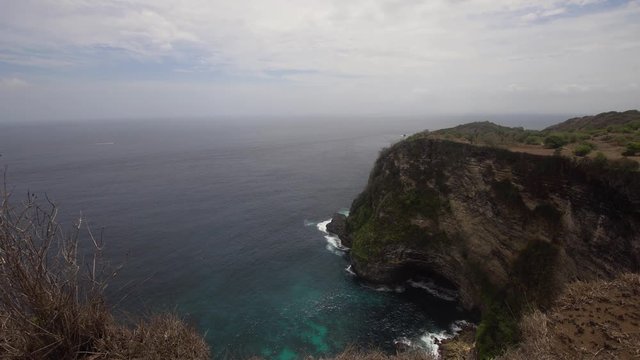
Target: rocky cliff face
478 219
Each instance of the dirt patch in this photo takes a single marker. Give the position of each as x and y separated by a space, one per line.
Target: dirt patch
598 320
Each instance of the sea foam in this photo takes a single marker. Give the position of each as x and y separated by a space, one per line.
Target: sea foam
431 340
333 242
350 271
435 290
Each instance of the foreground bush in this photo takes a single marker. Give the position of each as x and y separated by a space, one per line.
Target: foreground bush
52 302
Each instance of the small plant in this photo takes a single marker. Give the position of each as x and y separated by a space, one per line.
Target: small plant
600 159
632 149
583 149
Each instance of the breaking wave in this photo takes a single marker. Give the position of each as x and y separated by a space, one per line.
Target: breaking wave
333 242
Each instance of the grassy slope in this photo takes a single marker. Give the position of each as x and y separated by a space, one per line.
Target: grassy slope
612 135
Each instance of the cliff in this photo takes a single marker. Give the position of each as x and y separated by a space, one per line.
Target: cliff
506 230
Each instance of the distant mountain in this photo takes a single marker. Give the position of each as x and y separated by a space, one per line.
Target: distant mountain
600 121
477 127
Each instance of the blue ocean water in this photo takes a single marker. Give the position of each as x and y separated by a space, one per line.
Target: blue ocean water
217 220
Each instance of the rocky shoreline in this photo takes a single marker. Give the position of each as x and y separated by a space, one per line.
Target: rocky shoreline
338 227
461 345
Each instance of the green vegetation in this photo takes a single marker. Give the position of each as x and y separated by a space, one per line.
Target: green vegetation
583 149
498 329
610 121
530 287
371 232
383 213
555 141
485 133
425 202
600 158
533 140
619 133
633 149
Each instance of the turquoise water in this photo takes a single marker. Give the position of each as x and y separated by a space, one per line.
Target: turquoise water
217 220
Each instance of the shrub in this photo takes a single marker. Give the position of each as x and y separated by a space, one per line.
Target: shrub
497 331
600 159
533 140
583 149
51 308
555 141
632 149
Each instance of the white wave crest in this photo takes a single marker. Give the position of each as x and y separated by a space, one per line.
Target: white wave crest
435 290
333 242
431 340
322 226
382 288
350 271
402 342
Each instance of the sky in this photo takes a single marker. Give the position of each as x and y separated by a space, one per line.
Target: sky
89 59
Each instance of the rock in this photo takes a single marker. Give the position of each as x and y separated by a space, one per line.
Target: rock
338 226
472 216
461 346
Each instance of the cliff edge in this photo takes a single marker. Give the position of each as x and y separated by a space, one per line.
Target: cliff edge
506 230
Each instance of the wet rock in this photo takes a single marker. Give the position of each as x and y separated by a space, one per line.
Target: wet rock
338 226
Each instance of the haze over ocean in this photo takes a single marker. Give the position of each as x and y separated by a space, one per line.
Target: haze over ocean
217 220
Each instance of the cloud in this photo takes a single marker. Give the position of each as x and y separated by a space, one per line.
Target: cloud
378 55
13 83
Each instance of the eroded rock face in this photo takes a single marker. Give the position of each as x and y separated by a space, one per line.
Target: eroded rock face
338 226
478 218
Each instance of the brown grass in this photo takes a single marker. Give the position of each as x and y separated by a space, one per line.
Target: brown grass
536 344
162 337
52 304
353 353
591 320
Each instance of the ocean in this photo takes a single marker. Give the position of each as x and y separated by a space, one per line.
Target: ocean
221 221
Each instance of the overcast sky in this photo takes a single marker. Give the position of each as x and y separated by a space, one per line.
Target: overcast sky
147 58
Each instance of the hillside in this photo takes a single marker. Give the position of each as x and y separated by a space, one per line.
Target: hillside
506 230
611 135
596 122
